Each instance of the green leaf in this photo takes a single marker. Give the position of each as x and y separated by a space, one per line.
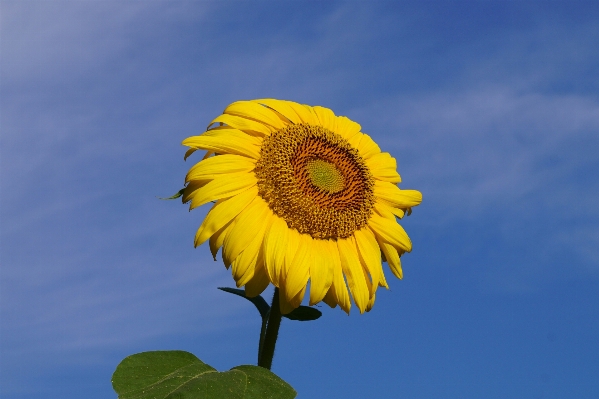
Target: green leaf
179 193
229 384
156 373
263 384
258 301
181 375
304 313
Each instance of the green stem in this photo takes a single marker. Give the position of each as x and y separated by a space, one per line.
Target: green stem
262 333
272 332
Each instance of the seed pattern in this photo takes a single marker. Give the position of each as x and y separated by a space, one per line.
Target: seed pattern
325 175
290 180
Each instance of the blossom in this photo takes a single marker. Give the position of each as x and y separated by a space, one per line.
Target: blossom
302 197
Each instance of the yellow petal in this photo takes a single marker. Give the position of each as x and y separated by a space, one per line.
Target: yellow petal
188 153
299 271
337 293
350 263
216 166
222 187
347 128
355 140
226 141
256 112
217 239
285 305
293 243
260 281
383 167
275 247
191 188
396 197
390 231
384 208
296 301
370 303
383 280
368 147
306 113
246 125
312 112
326 117
242 268
223 212
248 224
294 112
370 255
392 257
244 265
330 299
338 289
321 272
367 278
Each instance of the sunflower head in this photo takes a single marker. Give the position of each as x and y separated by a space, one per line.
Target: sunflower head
301 195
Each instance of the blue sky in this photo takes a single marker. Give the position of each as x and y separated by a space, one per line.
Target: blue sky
491 109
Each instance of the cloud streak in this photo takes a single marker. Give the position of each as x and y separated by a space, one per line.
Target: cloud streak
493 128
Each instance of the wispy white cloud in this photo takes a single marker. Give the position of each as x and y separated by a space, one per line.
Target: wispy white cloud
97 96
43 39
477 148
93 312
521 159
485 146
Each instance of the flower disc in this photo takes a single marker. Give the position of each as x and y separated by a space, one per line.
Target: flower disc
314 180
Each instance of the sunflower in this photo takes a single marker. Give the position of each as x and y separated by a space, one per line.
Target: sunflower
300 195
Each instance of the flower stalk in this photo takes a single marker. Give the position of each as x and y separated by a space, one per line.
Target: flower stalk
268 339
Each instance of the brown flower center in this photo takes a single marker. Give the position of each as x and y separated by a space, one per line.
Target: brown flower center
316 181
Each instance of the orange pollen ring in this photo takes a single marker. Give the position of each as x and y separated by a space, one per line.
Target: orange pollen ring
316 181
